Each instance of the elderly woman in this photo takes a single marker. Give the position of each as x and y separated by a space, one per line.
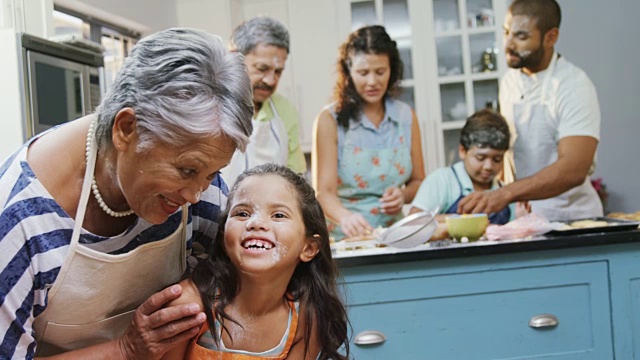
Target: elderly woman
98 216
367 158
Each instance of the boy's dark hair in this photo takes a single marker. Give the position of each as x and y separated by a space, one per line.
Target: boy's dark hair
313 283
546 12
485 128
367 40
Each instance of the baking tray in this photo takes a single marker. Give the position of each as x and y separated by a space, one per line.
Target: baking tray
614 225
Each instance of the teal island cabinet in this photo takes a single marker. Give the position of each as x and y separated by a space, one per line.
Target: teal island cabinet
569 297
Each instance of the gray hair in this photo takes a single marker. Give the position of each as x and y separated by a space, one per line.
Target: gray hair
259 30
182 85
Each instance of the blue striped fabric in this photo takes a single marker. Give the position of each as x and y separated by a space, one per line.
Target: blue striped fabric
34 238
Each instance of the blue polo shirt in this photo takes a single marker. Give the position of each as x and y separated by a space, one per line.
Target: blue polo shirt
441 188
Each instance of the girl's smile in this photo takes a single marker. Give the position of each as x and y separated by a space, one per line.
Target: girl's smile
264 229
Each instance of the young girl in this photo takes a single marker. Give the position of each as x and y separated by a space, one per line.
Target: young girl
269 285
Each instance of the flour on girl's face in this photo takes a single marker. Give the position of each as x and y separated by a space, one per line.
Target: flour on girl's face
265 208
279 252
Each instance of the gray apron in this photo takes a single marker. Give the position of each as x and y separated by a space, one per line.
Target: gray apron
95 294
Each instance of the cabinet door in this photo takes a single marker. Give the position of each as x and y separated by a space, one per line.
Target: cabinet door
486 314
463 42
625 296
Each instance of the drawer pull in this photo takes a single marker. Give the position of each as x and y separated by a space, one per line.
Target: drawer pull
543 321
370 337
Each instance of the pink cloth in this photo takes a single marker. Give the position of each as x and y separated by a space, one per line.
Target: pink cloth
528 225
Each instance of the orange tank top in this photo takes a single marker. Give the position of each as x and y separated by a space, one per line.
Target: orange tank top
198 352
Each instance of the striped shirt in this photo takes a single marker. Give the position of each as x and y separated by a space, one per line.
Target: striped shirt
35 233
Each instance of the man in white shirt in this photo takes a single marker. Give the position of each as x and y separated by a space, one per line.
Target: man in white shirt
264 42
552 109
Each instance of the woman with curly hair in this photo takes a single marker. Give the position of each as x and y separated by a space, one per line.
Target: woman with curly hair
367 153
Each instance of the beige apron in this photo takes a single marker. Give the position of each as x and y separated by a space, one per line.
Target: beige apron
95 294
269 143
536 147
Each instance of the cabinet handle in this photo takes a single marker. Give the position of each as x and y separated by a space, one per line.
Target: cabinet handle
370 337
543 321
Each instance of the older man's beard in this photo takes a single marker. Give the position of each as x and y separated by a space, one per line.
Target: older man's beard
527 59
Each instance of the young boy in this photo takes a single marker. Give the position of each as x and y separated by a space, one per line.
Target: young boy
483 141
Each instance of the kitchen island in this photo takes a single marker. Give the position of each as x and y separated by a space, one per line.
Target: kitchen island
564 297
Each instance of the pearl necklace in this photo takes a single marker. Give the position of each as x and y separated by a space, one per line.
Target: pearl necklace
94 184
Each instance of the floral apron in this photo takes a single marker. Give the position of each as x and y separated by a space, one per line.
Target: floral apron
364 175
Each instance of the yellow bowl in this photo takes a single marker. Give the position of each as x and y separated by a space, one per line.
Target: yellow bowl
471 226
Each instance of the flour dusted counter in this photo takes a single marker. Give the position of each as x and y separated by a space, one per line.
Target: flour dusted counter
571 297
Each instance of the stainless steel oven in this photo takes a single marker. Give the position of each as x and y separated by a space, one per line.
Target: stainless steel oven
62 82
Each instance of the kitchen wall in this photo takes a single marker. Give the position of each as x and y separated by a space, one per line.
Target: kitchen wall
601 38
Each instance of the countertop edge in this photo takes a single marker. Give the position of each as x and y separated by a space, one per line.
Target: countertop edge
541 243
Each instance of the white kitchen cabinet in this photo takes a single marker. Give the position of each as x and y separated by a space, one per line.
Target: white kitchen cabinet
464 45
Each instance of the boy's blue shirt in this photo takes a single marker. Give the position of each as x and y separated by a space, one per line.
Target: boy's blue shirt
441 188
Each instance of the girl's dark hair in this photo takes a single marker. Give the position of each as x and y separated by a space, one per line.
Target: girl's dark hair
485 129
313 283
367 40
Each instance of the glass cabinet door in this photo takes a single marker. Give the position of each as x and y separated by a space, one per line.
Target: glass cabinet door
465 44
449 50
363 13
453 102
446 16
480 13
483 52
451 142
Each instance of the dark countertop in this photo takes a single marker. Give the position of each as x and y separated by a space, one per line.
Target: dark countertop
454 250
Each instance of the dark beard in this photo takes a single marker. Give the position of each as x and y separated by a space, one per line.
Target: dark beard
531 61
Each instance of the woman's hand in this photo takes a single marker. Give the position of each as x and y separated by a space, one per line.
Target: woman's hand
355 224
155 330
392 201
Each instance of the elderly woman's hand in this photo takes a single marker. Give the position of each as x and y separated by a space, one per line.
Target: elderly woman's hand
392 201
355 224
155 330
